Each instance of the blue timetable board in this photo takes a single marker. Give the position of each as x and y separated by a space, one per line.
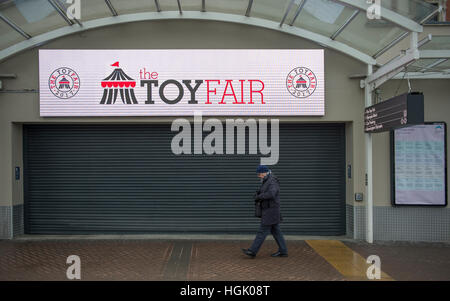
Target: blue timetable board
419 165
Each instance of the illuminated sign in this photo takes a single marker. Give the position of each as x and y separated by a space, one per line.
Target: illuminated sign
180 82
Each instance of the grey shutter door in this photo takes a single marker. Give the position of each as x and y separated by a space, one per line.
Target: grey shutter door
119 179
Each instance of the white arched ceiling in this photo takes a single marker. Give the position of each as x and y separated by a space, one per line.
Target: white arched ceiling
186 15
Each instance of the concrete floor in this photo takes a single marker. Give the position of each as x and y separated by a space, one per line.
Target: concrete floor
140 258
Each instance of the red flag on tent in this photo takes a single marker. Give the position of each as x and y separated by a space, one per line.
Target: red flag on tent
116 64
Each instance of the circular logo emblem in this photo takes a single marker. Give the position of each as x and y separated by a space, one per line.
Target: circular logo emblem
64 83
301 82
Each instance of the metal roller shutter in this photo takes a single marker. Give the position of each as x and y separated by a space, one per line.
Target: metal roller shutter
106 179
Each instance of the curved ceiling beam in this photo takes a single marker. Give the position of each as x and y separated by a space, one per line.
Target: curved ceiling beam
189 15
386 14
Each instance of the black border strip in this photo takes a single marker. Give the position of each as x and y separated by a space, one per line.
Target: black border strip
25 178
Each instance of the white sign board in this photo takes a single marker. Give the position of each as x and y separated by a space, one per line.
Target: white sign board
180 82
420 165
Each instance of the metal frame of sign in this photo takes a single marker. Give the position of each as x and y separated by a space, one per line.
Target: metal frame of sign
392 172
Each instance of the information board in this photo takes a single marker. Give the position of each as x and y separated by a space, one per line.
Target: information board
419 165
400 111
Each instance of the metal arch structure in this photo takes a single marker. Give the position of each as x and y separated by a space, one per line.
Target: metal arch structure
186 15
386 14
358 5
394 68
428 72
424 75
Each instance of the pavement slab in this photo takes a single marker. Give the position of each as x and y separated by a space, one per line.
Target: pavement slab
219 260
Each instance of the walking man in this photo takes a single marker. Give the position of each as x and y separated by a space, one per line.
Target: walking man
269 196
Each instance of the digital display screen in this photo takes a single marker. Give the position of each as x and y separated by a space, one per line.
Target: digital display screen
400 111
179 82
419 165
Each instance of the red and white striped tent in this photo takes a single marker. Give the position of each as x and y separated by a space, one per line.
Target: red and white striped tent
118 82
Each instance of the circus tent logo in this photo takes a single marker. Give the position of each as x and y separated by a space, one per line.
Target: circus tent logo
118 82
64 83
301 82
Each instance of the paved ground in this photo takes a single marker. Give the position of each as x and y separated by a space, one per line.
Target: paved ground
409 261
220 260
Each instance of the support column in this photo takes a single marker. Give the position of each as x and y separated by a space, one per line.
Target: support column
6 212
369 167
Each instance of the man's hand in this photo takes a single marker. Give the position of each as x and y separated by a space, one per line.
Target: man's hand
255 197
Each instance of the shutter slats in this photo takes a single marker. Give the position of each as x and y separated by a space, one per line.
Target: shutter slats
105 179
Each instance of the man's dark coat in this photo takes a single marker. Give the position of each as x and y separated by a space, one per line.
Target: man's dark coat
269 194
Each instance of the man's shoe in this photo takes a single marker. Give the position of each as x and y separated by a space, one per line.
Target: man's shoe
279 254
249 253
